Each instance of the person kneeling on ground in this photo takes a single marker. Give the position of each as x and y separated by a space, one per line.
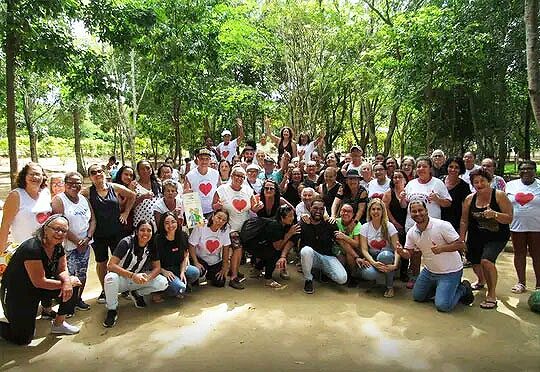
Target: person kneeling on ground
172 246
134 267
317 247
439 244
36 272
209 248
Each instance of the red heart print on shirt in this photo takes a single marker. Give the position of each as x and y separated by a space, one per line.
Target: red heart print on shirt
523 198
212 245
239 204
377 244
205 188
42 217
224 154
378 196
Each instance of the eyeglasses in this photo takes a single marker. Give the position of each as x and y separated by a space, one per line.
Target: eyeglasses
35 174
96 171
239 175
58 230
76 184
269 189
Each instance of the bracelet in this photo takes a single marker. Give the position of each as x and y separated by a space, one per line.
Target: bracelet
496 215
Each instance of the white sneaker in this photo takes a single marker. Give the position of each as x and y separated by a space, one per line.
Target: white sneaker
64 329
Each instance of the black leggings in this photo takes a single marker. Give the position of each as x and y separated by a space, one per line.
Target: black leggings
268 258
20 308
211 273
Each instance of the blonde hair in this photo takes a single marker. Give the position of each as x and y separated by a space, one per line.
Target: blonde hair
384 217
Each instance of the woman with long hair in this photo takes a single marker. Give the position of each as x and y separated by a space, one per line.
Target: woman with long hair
408 164
351 192
173 249
125 176
285 141
271 199
485 220
224 169
148 191
379 241
457 188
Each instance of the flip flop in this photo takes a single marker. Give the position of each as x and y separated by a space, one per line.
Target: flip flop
477 286
489 304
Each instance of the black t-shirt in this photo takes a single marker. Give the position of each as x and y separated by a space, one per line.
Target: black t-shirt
16 277
452 213
319 236
134 258
172 252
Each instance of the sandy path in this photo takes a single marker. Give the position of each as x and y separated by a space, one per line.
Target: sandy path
337 329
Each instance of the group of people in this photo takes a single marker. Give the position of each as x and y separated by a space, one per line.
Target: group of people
337 217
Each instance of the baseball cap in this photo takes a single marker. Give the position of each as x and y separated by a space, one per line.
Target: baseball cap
269 159
356 148
353 173
226 132
253 166
204 151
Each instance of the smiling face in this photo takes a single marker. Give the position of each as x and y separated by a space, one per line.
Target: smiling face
423 170
375 211
170 192
145 170
144 234
380 172
453 169
165 173
489 166
399 180
317 211
96 174
346 213
127 176
57 185
56 231
170 224
34 176
219 219
238 175
418 212
468 159
480 183
527 173
288 219
73 185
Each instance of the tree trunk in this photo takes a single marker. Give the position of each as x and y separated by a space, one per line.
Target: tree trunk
121 140
175 118
28 109
391 129
76 115
533 66
11 47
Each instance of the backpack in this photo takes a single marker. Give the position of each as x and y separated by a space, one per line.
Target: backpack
253 229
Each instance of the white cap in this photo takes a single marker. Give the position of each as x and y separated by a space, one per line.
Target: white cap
226 132
253 166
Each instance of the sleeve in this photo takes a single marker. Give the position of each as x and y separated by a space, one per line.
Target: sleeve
443 191
391 229
226 238
364 229
449 233
410 241
357 229
154 254
234 145
30 250
122 248
195 236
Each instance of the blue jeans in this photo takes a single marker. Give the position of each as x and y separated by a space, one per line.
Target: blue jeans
447 289
371 273
177 286
329 265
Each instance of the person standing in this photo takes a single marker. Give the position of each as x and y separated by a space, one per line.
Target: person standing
438 159
82 224
203 180
227 149
485 220
524 194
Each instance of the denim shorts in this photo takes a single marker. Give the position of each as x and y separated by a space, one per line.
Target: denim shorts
77 263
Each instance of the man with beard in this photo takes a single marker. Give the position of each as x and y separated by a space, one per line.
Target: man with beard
443 269
317 241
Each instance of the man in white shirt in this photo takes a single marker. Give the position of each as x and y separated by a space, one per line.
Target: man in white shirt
227 148
469 159
443 269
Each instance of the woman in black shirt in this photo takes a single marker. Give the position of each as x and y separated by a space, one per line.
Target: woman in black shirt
172 246
38 271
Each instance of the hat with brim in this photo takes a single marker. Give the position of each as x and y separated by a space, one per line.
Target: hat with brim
226 132
204 151
353 173
356 148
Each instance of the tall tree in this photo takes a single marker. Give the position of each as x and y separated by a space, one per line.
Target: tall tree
533 55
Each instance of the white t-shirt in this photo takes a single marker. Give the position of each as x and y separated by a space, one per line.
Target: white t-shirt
525 200
78 215
205 185
209 244
375 190
437 232
162 208
237 203
416 190
374 236
308 150
227 151
31 214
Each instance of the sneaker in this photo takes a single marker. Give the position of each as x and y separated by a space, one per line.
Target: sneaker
101 299
240 276
308 286
137 299
81 305
236 284
110 320
468 296
69 315
125 295
64 329
48 314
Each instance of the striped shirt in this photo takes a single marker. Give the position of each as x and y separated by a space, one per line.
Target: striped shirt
134 258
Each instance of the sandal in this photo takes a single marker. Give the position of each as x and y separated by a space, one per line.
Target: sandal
488 304
477 286
389 293
519 288
273 284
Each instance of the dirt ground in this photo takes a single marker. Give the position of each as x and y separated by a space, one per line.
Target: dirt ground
337 329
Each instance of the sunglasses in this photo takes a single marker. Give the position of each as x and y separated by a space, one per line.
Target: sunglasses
269 188
96 171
